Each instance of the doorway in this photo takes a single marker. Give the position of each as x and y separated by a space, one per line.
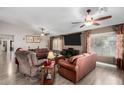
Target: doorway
11 45
4 46
7 43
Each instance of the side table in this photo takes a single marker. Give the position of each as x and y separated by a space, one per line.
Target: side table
48 70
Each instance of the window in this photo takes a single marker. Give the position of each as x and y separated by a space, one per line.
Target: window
103 43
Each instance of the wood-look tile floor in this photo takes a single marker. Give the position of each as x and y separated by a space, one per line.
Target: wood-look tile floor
101 75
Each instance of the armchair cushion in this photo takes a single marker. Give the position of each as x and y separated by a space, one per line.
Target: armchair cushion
34 60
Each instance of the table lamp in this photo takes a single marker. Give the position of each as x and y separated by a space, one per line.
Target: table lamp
50 55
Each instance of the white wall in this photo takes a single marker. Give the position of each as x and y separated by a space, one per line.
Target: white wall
20 36
0 47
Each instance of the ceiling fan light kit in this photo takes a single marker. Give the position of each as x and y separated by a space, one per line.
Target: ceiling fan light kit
43 33
90 21
88 18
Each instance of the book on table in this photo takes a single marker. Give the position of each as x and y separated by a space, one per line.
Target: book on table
48 76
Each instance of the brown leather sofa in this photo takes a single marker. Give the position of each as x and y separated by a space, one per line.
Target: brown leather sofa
76 67
41 53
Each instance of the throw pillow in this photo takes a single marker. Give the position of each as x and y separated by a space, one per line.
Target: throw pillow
74 58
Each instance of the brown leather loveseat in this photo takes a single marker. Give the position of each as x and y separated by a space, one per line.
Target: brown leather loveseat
76 67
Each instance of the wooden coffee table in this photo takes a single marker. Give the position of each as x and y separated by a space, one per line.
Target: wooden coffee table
48 70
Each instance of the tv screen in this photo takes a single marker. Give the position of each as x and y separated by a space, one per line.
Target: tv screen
72 39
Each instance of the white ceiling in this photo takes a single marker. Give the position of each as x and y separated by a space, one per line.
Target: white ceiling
57 20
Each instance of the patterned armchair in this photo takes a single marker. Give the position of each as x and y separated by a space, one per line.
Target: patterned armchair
28 63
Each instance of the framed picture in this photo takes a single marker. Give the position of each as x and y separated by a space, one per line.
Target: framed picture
33 39
36 39
29 39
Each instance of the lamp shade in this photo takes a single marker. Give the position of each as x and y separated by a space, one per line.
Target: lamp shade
42 34
50 55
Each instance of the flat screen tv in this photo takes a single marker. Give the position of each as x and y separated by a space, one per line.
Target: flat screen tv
72 39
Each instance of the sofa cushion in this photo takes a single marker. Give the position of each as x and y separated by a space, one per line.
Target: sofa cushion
86 54
74 58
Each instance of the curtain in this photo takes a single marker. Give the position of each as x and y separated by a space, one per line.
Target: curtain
120 46
86 41
51 43
57 43
62 42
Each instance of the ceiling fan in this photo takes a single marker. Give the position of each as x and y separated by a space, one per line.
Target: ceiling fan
90 21
44 33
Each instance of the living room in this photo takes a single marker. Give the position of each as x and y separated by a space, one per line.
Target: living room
77 46
22 27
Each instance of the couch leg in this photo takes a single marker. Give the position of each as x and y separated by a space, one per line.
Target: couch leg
75 83
25 75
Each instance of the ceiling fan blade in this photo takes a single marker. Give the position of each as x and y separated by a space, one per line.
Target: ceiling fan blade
76 22
97 24
82 26
47 33
103 18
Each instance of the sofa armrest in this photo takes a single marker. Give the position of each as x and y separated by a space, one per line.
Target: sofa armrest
67 65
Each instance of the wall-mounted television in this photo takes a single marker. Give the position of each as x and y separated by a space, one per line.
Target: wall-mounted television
72 39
